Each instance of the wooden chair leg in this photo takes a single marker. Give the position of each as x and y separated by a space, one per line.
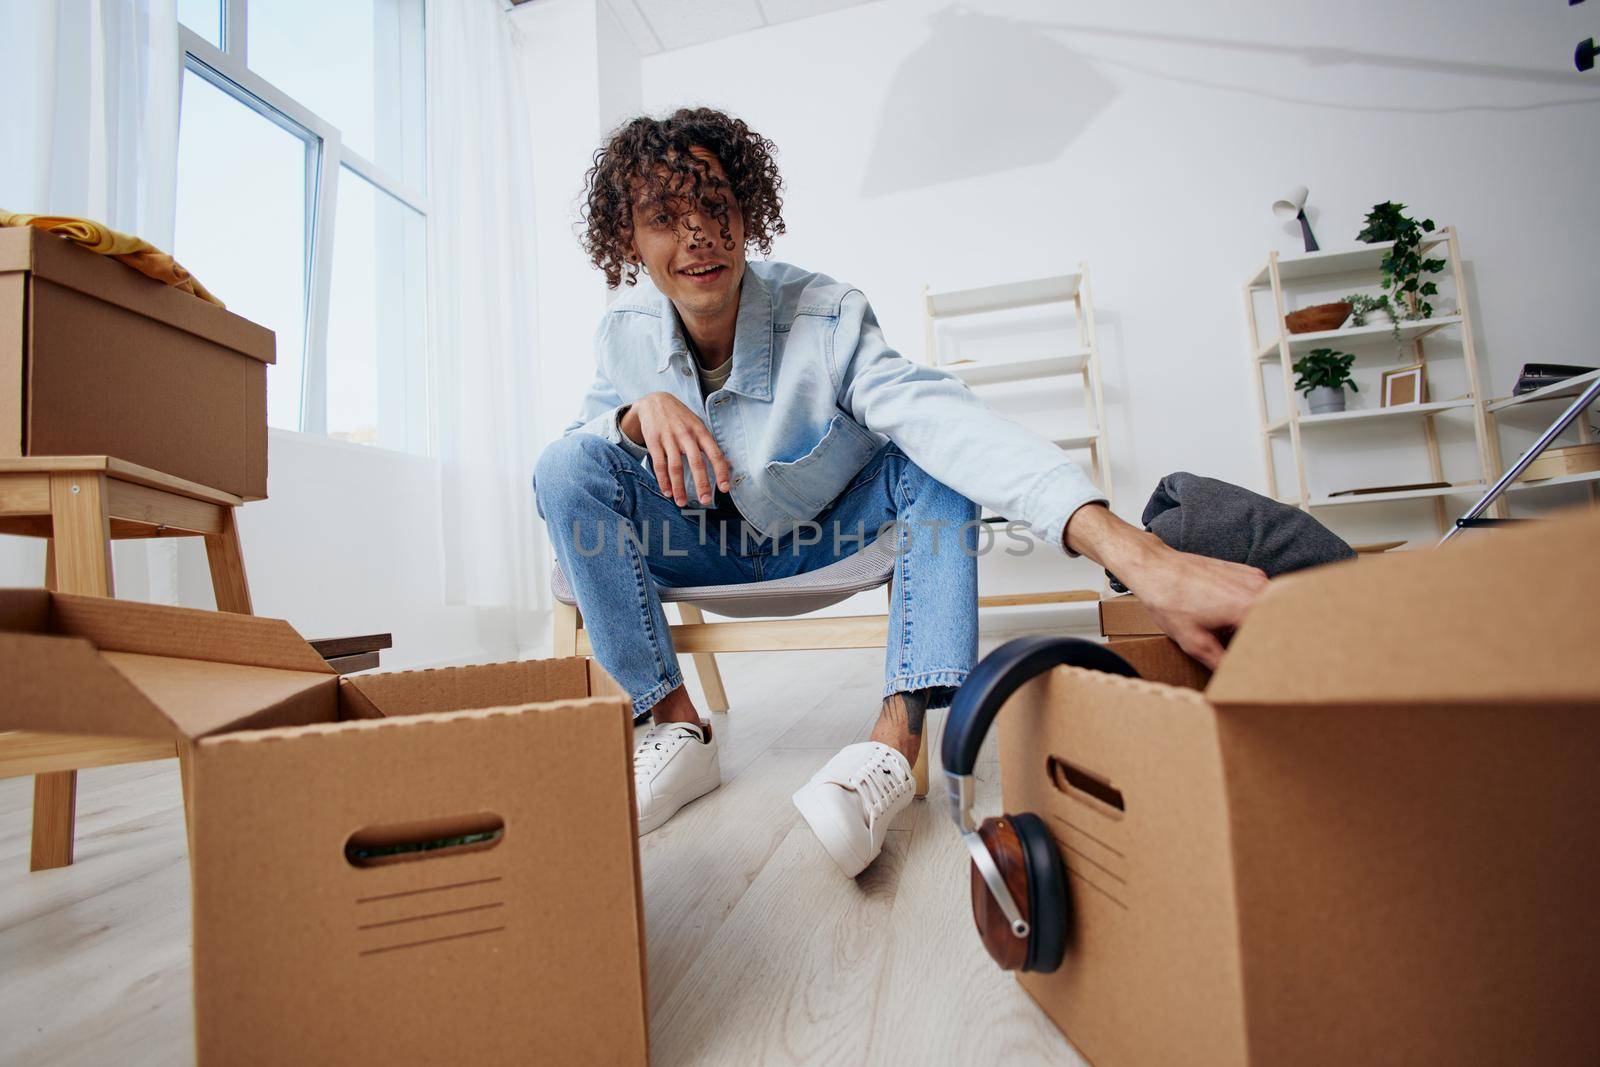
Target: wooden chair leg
80 551
705 663
919 769
54 794
564 630
223 553
77 559
55 798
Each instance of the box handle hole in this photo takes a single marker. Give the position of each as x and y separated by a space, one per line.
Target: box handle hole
1070 778
376 846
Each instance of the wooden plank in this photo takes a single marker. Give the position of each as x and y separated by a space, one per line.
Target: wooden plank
82 534
937 979
25 494
700 864
79 561
29 752
163 510
329 647
1286 365
566 634
360 661
226 559
1057 596
55 798
800 991
26 526
119 469
766 635
705 664
1372 548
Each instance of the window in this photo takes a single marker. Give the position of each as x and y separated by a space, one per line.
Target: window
301 203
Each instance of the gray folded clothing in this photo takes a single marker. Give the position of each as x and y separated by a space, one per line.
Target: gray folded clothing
1213 518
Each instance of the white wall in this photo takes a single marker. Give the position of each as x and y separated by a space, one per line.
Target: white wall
347 543
959 145
621 70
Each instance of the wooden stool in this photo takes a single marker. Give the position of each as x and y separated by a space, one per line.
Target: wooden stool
81 504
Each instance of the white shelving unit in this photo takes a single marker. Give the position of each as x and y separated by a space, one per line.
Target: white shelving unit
1566 390
1278 346
1082 360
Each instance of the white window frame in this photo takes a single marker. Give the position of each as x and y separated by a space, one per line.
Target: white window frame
228 69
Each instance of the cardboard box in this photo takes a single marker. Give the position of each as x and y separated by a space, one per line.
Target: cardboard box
98 360
1370 840
326 929
1125 616
1159 659
1569 459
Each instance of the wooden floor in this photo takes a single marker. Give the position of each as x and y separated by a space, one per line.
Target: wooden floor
760 950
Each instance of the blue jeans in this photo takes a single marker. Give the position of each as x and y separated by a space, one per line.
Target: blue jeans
617 537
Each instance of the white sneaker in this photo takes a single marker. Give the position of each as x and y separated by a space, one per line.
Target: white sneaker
674 763
850 803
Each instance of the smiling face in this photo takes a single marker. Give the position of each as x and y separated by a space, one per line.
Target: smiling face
693 243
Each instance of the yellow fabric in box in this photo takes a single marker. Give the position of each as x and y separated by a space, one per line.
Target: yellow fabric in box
132 251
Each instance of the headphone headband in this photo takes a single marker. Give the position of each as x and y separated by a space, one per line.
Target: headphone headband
999 674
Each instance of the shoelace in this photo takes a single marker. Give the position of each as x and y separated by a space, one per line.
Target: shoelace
657 746
877 784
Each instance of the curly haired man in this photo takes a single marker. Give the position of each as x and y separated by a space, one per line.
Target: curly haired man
748 421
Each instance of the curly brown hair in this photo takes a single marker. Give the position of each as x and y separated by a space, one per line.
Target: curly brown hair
648 160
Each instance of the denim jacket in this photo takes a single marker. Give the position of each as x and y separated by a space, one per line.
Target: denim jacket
815 391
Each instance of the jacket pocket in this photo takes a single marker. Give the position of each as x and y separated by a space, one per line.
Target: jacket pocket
817 477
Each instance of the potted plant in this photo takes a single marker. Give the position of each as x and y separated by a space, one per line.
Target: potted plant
1403 267
1322 375
1369 310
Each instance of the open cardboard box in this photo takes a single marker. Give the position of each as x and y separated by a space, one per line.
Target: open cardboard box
417 867
1371 838
98 360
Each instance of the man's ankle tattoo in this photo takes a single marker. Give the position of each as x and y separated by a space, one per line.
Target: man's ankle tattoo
909 707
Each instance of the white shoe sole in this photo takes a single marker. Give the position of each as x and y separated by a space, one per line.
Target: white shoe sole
662 813
835 836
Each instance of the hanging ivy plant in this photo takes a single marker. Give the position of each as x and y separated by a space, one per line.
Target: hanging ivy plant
1404 269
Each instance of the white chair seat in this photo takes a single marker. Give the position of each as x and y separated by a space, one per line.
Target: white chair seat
868 569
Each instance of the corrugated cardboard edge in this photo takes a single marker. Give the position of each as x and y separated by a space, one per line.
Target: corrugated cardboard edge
602 684
1410 625
185 633
100 277
348 726
13 304
405 692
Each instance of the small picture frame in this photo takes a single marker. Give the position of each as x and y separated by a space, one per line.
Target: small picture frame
1404 385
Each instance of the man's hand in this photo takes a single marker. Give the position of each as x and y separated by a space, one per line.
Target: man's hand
665 425
1197 600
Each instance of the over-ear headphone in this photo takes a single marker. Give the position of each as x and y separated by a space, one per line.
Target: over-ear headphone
1019 882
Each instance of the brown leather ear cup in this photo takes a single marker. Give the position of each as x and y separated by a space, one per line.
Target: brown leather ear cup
1007 949
1030 864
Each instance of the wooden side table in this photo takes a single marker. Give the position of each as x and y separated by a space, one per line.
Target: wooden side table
80 504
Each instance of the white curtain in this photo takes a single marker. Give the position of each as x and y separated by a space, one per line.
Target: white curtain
89 127
481 273
90 124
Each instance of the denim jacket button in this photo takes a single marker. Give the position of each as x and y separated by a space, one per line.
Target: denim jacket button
685 371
